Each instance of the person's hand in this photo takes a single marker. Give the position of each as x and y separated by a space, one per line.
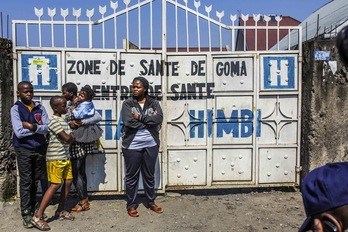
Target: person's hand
75 123
317 226
29 126
135 115
76 100
154 113
72 136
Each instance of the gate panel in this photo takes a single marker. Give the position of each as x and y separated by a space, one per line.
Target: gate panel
187 168
232 164
233 74
42 69
279 119
187 120
147 65
277 165
187 75
234 118
279 72
101 172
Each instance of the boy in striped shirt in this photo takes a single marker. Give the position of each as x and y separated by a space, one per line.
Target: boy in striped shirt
57 163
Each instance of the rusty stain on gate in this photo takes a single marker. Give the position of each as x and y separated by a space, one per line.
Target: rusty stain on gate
231 117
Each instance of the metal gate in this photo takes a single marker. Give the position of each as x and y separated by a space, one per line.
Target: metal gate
231 118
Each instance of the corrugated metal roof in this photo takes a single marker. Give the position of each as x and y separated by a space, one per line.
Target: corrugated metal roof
327 19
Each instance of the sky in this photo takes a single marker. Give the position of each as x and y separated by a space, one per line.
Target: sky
24 9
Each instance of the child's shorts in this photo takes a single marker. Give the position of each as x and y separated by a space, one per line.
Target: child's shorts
59 170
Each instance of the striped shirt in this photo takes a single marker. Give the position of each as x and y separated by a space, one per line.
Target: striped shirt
57 149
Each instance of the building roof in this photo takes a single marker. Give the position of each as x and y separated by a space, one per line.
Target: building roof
322 23
261 34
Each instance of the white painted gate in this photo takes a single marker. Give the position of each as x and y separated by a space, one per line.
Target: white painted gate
231 118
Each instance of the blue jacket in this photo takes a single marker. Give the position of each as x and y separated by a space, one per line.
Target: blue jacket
26 138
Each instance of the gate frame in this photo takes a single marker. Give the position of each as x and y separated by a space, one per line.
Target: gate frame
17 49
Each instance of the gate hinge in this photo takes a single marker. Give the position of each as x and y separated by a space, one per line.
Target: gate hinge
298 169
13 56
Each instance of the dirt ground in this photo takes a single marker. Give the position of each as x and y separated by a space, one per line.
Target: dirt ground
217 210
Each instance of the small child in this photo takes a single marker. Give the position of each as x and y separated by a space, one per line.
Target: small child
57 163
85 109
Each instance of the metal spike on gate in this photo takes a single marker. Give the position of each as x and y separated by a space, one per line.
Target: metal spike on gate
38 12
266 18
256 17
52 13
64 12
114 5
197 4
102 10
220 15
77 14
90 13
126 2
245 18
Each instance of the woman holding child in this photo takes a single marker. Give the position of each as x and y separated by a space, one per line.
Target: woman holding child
80 149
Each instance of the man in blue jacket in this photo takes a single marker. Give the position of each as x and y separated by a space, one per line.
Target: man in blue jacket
325 198
29 124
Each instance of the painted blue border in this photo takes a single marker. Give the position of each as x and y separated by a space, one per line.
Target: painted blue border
267 71
53 68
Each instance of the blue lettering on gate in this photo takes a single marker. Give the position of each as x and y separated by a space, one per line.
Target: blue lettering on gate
275 77
239 127
239 124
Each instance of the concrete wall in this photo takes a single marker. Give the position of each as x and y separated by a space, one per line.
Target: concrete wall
7 157
324 107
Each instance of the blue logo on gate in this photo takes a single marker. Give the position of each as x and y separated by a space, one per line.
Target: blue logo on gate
40 70
279 72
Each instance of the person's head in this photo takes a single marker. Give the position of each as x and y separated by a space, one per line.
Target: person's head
86 94
58 105
69 91
140 87
325 198
25 92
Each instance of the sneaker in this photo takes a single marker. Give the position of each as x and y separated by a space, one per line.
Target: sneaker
27 221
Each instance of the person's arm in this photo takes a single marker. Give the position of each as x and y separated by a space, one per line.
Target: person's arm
17 125
43 128
92 120
57 129
67 138
128 119
156 118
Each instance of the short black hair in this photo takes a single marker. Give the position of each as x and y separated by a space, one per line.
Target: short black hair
54 100
20 84
70 87
145 83
89 92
